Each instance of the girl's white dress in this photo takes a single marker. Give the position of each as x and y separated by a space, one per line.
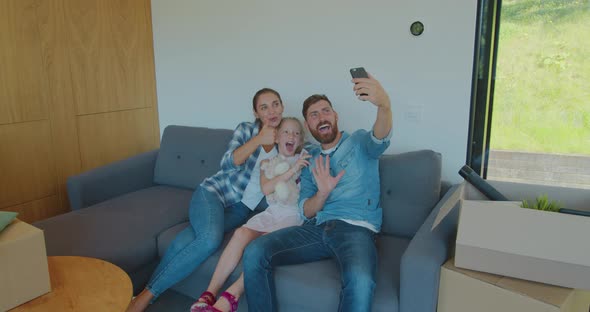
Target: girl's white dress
282 208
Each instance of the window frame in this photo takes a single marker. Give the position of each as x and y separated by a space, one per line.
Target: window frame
482 88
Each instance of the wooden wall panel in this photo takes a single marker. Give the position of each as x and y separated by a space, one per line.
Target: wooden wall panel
111 54
108 137
38 209
149 69
66 149
26 163
77 90
23 81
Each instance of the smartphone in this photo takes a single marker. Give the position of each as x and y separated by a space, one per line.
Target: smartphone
359 72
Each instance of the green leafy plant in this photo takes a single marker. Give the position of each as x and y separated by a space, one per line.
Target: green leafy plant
542 203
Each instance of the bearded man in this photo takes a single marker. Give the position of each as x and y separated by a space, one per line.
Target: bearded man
339 201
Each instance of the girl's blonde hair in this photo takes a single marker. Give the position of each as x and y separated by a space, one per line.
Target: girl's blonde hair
301 130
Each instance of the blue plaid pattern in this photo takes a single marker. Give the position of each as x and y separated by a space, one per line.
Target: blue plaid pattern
230 182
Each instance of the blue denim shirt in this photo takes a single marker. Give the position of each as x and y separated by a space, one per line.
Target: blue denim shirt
356 196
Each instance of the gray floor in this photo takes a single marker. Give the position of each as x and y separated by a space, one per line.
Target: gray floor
171 301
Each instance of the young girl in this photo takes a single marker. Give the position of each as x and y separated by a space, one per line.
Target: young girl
278 180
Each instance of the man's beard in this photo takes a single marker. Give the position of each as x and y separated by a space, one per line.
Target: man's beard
325 138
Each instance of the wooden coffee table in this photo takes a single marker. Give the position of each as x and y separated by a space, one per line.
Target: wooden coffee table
83 284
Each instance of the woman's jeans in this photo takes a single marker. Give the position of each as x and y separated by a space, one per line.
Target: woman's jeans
208 223
353 248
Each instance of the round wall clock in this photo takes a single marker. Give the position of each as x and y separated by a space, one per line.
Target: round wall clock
417 28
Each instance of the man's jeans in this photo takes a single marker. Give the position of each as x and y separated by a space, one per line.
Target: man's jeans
208 223
353 248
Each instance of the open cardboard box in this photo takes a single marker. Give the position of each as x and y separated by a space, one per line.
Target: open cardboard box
502 238
24 274
464 290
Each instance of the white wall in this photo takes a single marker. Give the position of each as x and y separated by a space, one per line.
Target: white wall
212 56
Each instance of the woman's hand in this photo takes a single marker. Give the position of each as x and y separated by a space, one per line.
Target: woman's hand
267 135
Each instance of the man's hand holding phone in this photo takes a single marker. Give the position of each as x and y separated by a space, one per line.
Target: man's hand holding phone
368 88
358 72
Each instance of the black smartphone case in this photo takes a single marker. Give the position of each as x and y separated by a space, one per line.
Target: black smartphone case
358 72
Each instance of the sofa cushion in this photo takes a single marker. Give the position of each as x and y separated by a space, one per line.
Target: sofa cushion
410 188
189 154
121 230
319 280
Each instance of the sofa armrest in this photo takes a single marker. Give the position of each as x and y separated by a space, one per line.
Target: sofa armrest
100 184
421 262
445 186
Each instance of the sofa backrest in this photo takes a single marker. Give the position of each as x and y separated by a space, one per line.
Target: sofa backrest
410 182
410 188
190 154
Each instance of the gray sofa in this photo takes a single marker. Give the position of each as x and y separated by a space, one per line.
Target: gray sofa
128 212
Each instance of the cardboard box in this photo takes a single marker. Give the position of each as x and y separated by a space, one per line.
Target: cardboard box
502 238
24 274
466 291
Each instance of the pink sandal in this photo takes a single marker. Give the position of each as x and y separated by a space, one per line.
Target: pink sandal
205 308
233 302
205 301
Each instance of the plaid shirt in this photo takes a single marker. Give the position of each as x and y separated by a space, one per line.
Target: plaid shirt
230 182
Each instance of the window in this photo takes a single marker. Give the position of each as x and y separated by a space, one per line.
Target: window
530 118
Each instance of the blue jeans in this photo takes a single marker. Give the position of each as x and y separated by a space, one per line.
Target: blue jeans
353 248
209 220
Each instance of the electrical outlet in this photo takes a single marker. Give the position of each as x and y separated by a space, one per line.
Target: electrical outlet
413 113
